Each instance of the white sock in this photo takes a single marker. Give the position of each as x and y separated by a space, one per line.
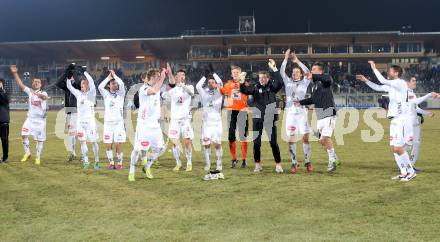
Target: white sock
407 162
176 153
120 157
307 151
110 156
219 154
72 141
399 164
207 152
26 146
39 148
189 157
133 160
153 157
292 150
95 148
84 151
415 152
331 155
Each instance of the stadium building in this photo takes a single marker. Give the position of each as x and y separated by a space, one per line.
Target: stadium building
345 54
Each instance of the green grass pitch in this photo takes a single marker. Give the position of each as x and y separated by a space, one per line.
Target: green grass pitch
61 202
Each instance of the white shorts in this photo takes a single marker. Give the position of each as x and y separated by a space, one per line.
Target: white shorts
326 126
148 136
35 127
296 124
114 132
86 130
71 123
180 127
401 131
212 133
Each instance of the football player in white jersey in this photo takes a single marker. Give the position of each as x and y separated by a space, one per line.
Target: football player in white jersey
112 90
148 132
211 98
414 112
296 118
86 123
401 127
35 123
417 117
180 118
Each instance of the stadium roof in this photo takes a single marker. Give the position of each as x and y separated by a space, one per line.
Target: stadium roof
178 47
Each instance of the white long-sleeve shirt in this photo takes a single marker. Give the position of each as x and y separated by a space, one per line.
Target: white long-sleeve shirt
211 100
85 101
149 107
37 106
295 89
398 95
410 106
113 102
180 98
414 103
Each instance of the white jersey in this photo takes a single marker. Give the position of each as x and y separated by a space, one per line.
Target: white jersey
295 89
180 98
113 102
37 106
398 92
413 103
85 101
211 101
149 106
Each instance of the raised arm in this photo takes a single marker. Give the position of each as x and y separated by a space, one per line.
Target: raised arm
121 84
61 83
218 80
424 98
382 79
92 88
199 86
283 66
299 63
14 71
376 87
101 86
169 73
73 90
156 87
277 83
372 85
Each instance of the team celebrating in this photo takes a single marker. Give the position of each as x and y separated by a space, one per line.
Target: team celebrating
303 87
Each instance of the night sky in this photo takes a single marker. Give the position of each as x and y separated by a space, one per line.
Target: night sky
27 20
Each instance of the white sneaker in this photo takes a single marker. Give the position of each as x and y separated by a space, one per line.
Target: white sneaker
279 168
207 177
258 168
399 177
409 177
219 168
220 176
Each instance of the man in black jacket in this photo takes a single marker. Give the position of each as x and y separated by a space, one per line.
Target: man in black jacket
265 113
325 108
4 120
70 104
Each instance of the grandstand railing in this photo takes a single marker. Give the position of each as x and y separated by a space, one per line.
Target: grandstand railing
210 32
